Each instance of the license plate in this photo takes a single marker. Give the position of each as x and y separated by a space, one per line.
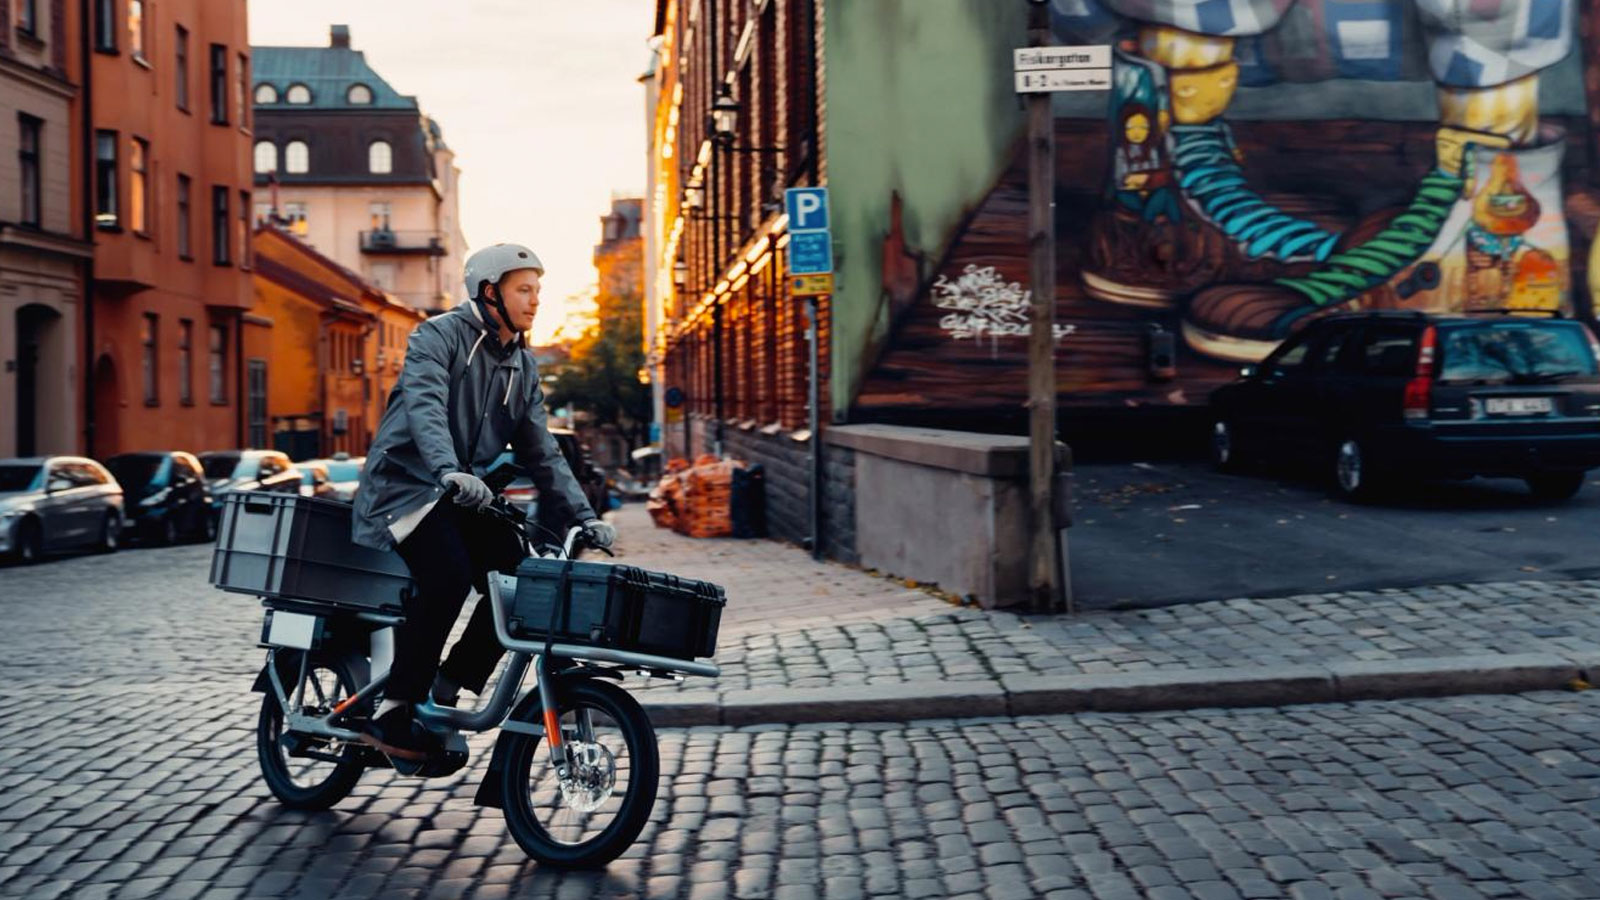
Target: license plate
296 630
1518 406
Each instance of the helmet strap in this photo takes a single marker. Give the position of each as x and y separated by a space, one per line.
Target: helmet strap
498 306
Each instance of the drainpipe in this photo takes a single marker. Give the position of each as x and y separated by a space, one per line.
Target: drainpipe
714 176
86 371
238 377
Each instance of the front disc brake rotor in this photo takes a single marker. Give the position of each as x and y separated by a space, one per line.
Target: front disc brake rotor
591 776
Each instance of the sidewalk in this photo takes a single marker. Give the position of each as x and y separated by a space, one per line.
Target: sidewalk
803 641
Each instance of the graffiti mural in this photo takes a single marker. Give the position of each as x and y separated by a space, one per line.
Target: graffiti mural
1232 186
982 304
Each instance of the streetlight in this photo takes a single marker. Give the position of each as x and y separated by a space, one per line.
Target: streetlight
724 116
680 273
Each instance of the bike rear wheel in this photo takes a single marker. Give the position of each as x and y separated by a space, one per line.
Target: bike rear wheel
596 813
304 772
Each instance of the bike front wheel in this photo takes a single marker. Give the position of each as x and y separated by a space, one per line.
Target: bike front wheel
589 817
304 772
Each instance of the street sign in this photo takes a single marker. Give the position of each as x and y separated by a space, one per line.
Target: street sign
811 285
1087 56
673 398
1071 68
807 208
811 253
1063 80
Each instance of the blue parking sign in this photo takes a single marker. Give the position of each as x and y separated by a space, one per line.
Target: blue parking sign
810 253
807 208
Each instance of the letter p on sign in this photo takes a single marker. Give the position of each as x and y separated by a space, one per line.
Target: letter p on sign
807 208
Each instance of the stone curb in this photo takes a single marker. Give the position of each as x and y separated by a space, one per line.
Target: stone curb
1038 695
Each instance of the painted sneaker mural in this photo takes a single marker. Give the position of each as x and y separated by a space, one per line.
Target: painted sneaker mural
1492 237
1179 212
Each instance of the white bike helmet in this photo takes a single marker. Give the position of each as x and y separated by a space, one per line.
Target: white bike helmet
489 266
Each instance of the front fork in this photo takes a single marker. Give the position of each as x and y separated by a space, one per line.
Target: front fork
562 754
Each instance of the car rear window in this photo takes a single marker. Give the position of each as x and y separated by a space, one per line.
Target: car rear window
14 477
137 472
1514 351
344 471
223 465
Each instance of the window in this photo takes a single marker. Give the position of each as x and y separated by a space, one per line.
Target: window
180 66
243 237
28 165
266 157
105 26
298 94
186 362
257 401
1291 357
297 158
28 16
148 338
139 185
136 41
220 223
380 158
219 84
185 218
379 210
1389 350
217 355
358 95
241 91
266 93
105 180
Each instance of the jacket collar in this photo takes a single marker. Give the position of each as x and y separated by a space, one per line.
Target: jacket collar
491 337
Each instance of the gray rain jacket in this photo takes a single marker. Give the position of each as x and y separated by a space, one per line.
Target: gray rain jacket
455 386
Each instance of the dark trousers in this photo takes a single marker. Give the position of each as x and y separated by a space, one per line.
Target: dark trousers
450 552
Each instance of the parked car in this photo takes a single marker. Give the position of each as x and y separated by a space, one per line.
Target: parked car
1374 396
335 478
165 496
51 503
248 470
591 478
589 475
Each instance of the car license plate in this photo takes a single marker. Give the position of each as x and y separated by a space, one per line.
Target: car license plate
1517 406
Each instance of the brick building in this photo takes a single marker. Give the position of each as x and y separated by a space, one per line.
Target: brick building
335 345
169 186
724 329
357 171
43 252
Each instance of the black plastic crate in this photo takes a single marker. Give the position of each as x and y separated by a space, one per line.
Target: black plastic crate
622 607
292 548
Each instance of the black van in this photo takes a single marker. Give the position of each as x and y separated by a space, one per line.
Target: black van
1370 397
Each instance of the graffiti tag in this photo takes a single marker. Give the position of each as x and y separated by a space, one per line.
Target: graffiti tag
983 304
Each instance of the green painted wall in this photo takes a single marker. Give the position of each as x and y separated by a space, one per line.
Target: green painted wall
918 100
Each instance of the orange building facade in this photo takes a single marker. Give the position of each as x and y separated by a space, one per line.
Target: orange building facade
333 345
170 186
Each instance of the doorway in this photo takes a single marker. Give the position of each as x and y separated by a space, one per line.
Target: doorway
38 364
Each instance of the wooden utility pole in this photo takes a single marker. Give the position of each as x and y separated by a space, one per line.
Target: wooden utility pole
1044 580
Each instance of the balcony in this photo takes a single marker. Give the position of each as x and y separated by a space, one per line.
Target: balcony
403 243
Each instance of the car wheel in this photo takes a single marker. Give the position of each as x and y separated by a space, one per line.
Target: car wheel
208 526
1555 485
169 529
30 542
1224 446
1354 475
110 534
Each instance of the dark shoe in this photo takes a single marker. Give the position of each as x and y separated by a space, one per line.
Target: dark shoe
398 735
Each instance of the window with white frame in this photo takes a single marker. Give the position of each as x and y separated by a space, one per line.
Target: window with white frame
297 158
380 158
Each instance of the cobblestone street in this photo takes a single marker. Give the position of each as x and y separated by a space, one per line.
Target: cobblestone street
128 769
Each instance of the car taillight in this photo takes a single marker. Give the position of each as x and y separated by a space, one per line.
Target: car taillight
1419 390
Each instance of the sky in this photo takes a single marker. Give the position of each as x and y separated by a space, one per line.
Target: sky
539 99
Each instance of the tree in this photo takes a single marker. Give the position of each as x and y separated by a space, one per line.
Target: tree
602 375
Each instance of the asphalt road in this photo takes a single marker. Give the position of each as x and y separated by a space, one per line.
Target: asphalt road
1153 534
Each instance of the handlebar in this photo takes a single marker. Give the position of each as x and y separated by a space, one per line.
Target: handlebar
502 509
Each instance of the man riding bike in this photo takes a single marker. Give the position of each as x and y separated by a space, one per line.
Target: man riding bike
468 389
